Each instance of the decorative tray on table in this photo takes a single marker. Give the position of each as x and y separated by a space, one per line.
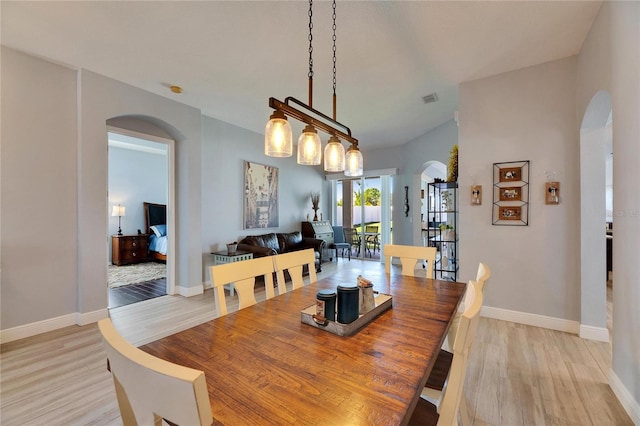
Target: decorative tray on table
382 303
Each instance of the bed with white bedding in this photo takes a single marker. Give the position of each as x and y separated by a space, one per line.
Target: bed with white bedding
156 221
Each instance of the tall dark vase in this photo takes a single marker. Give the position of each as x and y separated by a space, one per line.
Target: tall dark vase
315 215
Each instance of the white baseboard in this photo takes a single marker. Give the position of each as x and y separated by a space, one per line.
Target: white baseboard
600 334
207 285
531 319
631 406
28 330
189 291
91 317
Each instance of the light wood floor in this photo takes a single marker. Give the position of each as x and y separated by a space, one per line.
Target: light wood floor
518 375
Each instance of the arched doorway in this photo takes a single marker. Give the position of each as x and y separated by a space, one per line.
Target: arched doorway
429 171
150 134
595 138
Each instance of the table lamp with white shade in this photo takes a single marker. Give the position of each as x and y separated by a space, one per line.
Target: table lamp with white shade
118 211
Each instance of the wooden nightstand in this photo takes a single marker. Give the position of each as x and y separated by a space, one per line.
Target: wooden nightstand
126 249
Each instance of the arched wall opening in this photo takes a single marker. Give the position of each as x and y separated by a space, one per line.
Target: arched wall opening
155 130
425 174
595 136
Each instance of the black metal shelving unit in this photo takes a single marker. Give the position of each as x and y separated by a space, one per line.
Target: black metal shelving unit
442 214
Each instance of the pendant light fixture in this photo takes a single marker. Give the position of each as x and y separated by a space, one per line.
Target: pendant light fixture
353 162
277 136
278 131
309 143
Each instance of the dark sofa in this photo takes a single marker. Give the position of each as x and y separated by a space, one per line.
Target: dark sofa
278 243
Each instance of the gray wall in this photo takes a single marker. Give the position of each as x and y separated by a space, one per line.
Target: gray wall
410 160
528 114
625 91
39 197
610 60
55 178
225 147
101 99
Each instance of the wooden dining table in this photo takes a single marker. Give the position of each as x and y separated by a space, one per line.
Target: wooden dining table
263 366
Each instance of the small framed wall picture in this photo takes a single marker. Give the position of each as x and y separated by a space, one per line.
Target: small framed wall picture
511 174
476 195
552 193
510 193
510 212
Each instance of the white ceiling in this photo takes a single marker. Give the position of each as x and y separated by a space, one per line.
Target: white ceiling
230 57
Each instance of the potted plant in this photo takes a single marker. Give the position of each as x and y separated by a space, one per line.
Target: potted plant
447 232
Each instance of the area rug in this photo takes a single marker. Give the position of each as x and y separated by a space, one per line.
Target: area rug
137 273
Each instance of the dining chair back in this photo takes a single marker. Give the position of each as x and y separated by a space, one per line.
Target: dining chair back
339 242
483 275
449 396
243 276
409 256
294 262
149 389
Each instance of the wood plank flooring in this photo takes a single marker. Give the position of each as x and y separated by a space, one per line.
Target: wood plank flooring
517 374
134 293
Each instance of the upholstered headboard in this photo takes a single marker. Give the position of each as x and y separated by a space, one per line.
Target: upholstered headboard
155 214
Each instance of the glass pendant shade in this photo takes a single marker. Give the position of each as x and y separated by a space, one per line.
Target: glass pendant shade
354 162
334 155
278 141
309 147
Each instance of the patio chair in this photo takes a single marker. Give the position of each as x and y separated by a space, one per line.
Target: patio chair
339 242
352 237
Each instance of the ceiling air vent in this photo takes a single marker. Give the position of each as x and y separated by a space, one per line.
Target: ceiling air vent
430 98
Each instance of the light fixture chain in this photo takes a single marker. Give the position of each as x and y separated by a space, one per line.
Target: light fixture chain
334 47
310 39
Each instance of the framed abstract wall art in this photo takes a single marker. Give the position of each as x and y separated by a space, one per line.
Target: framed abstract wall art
260 196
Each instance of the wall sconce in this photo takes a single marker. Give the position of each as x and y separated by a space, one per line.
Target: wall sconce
552 193
476 195
118 211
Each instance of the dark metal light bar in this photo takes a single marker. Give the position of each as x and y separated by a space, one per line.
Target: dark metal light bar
308 119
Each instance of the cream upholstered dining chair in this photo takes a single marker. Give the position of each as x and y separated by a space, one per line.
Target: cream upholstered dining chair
443 390
293 262
150 389
409 257
243 276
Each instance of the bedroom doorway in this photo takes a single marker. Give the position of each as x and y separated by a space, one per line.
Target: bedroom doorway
139 251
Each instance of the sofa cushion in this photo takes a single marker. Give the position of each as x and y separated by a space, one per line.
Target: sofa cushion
289 241
265 240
